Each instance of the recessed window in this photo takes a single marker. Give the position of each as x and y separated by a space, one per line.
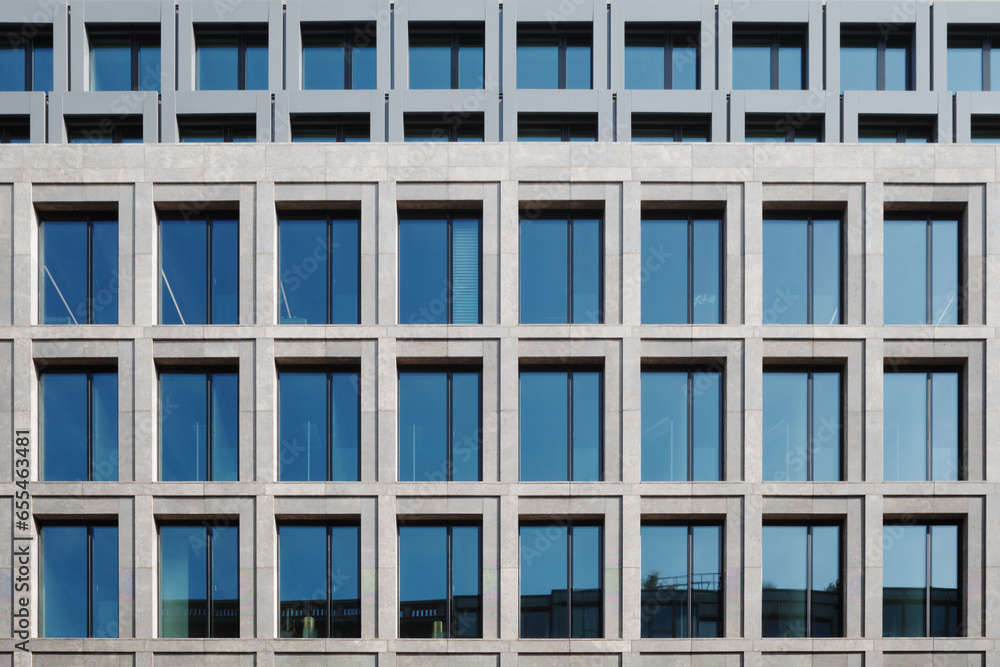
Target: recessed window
681 267
319 255
873 58
681 581
896 129
319 581
124 59
446 55
782 128
768 59
802 269
452 126
922 425
331 128
79 581
199 426
802 425
986 128
199 269
79 426
199 580
561 425
554 55
239 128
440 424
338 56
564 127
26 58
319 414
801 581
227 59
671 127
440 276
920 577
78 277
440 581
561 581
662 56
561 269
681 425
104 129
973 57
15 130
921 270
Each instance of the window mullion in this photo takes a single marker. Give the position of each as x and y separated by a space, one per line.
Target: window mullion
690 582
90 271
208 259
449 397
455 61
208 581
348 63
810 268
668 63
448 582
987 45
329 426
880 65
329 582
569 262
569 426
208 429
690 268
328 288
929 259
449 250
775 45
135 62
929 453
929 550
562 61
690 427
90 427
809 578
90 581
569 582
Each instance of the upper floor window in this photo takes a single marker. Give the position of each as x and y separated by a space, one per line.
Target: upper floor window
79 580
554 55
681 425
986 128
890 129
768 59
78 276
681 581
338 56
439 268
802 269
319 581
79 426
922 425
662 56
440 425
26 58
452 126
15 130
124 60
786 128
921 259
561 425
681 268
199 427
227 59
319 265
561 269
199 580
239 128
802 426
920 577
331 128
872 58
562 127
801 581
446 55
104 129
671 127
561 581
973 57
319 416
440 581
199 269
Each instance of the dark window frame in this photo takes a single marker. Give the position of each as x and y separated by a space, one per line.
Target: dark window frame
809 217
456 30
345 35
791 126
883 35
136 37
90 218
989 41
985 127
565 33
671 33
17 35
89 371
796 32
340 124
963 270
450 126
245 34
229 128
120 128
567 123
15 129
677 121
918 126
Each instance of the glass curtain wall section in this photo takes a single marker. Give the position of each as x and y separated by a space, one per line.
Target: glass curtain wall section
319 260
922 270
681 268
79 426
199 580
339 56
802 425
922 425
561 425
446 55
801 581
319 414
662 56
199 427
78 273
440 274
920 581
79 581
802 270
199 270
561 270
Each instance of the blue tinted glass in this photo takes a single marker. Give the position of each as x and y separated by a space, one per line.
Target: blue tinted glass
665 581
302 580
183 427
465 427
365 70
644 63
544 269
944 272
544 576
752 63
944 580
538 62
256 65
587 272
826 585
104 582
790 62
944 426
786 272
826 272
826 427
858 66
216 63
707 425
64 581
111 63
587 563
322 63
42 66
225 612
183 581
995 69
63 406
423 272
423 581
183 272
104 425
64 272
470 63
465 272
784 580
706 558
345 252
225 427
905 256
345 585
664 426
466 569
587 422
965 64
345 427
11 66
149 64
904 434
786 398
430 62
706 271
225 271
578 65
104 272
665 272
423 427
685 65
904 580
897 66
303 255
544 427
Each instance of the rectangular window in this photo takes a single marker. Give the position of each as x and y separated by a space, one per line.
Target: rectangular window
564 127
662 56
554 55
230 60
562 269
440 581
124 60
973 57
199 580
561 426
104 129
681 268
440 276
681 581
452 126
199 269
339 56
319 257
785 128
331 128
922 256
79 581
440 424
769 60
15 130
681 425
801 580
78 277
199 427
986 128
26 58
446 56
319 581
319 426
923 425
896 129
79 426
920 576
802 269
802 426
561 581
238 128
872 58
671 127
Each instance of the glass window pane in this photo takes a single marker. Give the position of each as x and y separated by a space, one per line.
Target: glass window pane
303 255
104 272
256 65
544 579
302 420
470 62
858 65
302 581
430 61
578 64
465 427
707 271
538 62
665 581
897 66
905 256
944 426
465 272
786 398
365 71
225 271
183 272
104 424
149 64
64 581
587 592
467 613
587 422
587 272
183 427
423 272
944 272
685 63
904 453
826 613
183 581
784 580
111 63
707 410
995 68
345 586
423 581
544 418
664 274
664 426
225 427
752 63
42 65
904 580
965 64
706 581
878 135
104 581
786 272
345 427
791 75
345 254
945 600
322 63
63 405
11 66
544 272
826 272
644 63
216 63
225 612
826 427
64 272
423 427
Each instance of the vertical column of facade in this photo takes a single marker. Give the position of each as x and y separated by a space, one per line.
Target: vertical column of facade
509 257
247 510
613 205
6 255
387 234
369 412
266 571
612 578
491 415
127 601
369 568
491 545
6 465
388 621
144 260
490 269
247 243
266 254
25 236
